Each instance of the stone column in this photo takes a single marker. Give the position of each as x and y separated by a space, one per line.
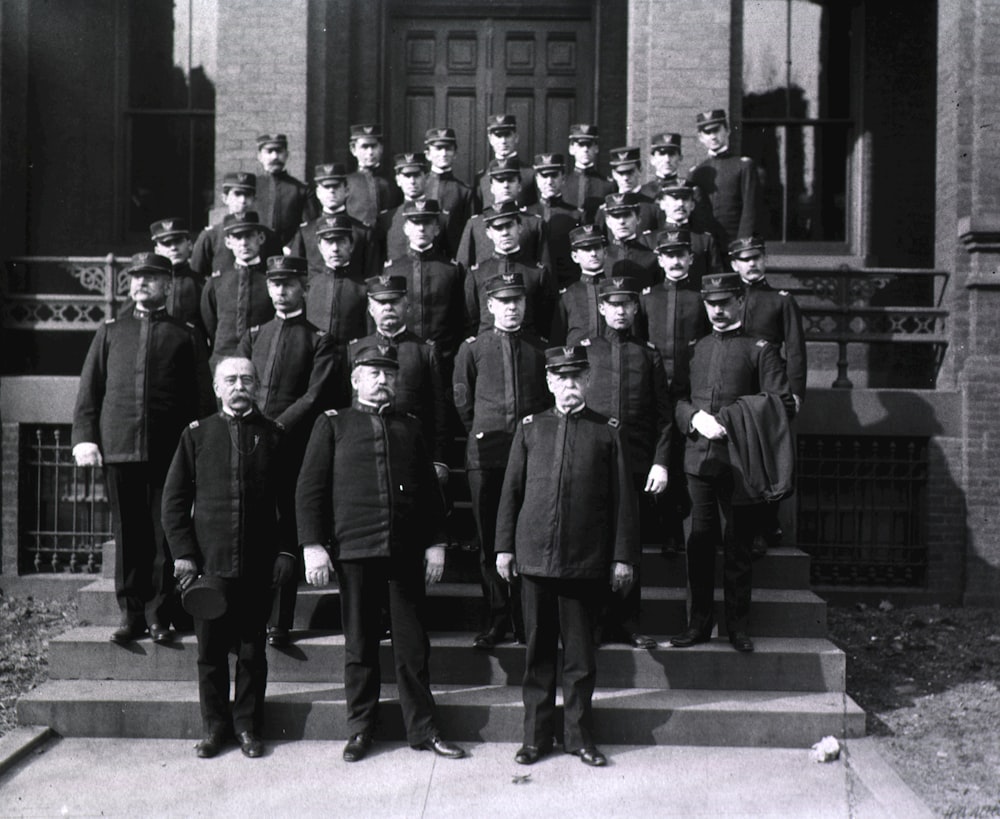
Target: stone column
967 243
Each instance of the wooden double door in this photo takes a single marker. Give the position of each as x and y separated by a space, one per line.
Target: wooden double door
455 72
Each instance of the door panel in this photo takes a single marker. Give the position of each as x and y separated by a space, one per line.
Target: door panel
455 72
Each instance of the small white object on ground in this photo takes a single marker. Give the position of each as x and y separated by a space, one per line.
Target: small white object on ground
826 750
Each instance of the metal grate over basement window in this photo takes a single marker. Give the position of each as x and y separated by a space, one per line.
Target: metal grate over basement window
860 509
64 508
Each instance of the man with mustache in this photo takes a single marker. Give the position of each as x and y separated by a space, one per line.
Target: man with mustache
220 514
382 530
567 528
280 196
144 378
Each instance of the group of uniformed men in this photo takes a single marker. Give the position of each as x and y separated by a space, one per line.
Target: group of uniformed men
616 378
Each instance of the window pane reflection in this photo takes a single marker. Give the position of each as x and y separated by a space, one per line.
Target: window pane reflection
796 70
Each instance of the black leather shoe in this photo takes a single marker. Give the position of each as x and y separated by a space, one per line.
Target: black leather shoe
529 754
489 639
209 746
277 637
643 641
357 747
250 745
160 634
440 747
589 755
127 632
691 637
741 641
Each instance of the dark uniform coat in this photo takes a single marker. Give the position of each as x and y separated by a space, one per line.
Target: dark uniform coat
499 378
559 218
233 531
718 369
210 252
651 189
337 302
420 386
586 189
728 196
184 298
627 382
774 315
456 201
671 316
296 363
633 258
568 507
367 488
145 377
475 246
369 194
436 298
538 281
279 201
576 316
393 240
366 254
232 302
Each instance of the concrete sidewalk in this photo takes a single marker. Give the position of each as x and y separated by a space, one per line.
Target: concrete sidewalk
142 777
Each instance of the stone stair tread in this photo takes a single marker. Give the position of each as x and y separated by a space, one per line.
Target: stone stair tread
170 691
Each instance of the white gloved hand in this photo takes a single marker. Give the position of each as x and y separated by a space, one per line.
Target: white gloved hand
506 567
185 571
621 575
433 563
318 565
656 480
708 426
87 454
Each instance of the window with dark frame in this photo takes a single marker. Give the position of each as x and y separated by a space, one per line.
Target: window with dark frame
170 111
797 116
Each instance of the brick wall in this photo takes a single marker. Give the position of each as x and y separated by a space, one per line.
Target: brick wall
262 82
673 73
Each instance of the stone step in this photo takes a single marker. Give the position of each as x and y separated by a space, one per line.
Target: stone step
89 708
779 663
460 607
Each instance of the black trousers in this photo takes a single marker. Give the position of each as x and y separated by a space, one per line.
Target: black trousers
555 608
283 611
363 585
503 598
240 629
716 522
144 580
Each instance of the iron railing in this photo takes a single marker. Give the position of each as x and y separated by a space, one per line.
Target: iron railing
860 509
837 307
68 519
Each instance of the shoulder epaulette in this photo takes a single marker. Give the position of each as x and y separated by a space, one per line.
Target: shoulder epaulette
454 262
429 342
384 210
255 328
216 274
475 266
646 232
539 265
761 342
330 412
470 339
650 345
189 324
745 159
614 423
527 419
563 290
194 424
388 263
303 224
110 321
354 341
320 333
693 341
783 293
584 342
647 290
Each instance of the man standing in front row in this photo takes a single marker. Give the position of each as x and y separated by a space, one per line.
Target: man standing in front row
384 528
144 378
221 519
567 525
720 370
